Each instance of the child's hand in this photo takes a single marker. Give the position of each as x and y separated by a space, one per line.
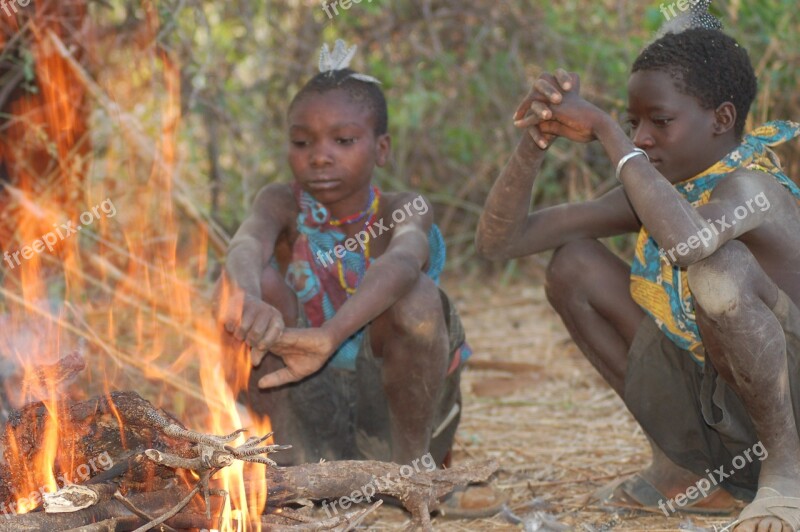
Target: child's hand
558 110
250 320
535 109
304 351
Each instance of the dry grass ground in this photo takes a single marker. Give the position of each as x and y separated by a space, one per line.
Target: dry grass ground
557 430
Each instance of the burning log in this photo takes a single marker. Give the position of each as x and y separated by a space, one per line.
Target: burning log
117 427
148 482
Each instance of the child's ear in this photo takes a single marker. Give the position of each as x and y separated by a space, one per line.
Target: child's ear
384 148
724 118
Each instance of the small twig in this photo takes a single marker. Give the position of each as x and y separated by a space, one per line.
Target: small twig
204 488
341 523
194 464
224 495
359 516
120 468
530 484
294 515
175 509
255 451
136 511
422 517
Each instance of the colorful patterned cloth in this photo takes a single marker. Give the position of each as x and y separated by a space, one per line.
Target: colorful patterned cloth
661 289
316 281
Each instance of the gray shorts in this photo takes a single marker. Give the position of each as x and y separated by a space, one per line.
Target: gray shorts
338 414
689 410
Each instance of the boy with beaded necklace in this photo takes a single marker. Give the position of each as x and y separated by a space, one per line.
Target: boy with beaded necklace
358 359
704 350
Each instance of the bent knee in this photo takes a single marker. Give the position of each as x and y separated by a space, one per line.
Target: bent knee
720 282
569 269
420 311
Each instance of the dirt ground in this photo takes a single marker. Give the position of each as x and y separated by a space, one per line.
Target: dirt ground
557 431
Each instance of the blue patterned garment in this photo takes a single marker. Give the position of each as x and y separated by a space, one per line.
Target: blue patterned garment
662 289
316 281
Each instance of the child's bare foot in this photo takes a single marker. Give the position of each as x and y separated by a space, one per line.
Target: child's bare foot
656 487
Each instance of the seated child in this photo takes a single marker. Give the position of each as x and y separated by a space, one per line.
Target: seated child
333 283
701 336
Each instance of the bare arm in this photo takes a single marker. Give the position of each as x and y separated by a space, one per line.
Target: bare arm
242 310
508 229
666 214
741 203
671 220
390 277
252 246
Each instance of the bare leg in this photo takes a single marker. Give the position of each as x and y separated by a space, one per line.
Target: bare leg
277 293
411 338
589 287
747 346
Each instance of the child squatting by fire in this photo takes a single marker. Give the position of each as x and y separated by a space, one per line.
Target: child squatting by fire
358 357
704 350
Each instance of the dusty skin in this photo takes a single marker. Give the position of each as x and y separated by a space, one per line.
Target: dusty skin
333 151
735 279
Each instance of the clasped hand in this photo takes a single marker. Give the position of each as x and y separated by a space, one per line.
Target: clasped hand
554 108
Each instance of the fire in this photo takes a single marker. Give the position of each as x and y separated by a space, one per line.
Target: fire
129 291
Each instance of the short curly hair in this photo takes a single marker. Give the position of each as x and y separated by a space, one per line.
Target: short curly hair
707 65
368 94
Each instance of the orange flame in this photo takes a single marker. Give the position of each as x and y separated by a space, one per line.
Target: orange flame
129 284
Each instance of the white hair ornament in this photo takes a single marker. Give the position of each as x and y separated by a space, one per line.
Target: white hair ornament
339 59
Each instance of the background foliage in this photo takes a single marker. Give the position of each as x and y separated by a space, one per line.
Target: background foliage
453 72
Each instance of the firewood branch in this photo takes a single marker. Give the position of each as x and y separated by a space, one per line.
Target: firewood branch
146 463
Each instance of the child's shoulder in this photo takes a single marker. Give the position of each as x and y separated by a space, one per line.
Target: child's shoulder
746 181
276 196
277 202
748 186
409 202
